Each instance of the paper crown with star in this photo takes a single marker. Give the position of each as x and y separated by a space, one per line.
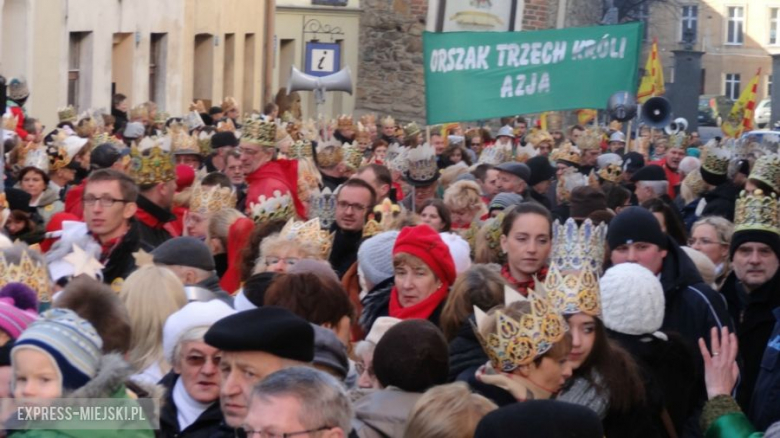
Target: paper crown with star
28 271
756 211
309 232
518 332
572 282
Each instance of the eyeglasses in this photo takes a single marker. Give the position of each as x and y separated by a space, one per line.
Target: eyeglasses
199 361
289 261
105 201
250 152
361 368
703 241
263 434
344 205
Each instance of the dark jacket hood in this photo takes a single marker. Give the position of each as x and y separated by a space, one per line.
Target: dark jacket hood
678 270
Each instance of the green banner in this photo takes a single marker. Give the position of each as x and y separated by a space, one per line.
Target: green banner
483 75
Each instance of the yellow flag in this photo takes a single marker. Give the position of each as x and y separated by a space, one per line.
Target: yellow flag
653 81
585 116
740 118
543 121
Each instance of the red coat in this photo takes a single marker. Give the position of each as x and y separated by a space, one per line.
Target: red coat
281 175
18 112
73 197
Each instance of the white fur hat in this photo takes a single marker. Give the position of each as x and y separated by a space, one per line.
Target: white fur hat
632 300
380 327
459 250
194 314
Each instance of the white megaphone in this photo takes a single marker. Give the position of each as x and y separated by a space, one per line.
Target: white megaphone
339 81
678 125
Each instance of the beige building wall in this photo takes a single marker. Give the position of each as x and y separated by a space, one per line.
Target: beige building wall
299 22
35 42
720 58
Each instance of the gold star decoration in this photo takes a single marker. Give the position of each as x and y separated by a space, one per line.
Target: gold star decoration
143 258
83 263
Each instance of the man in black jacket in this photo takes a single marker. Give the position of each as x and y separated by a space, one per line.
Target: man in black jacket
721 192
752 294
354 200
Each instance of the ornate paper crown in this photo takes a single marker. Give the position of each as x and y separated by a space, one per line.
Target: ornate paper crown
29 272
717 160
259 131
181 142
329 154
767 170
516 343
161 117
309 232
323 206
540 136
572 283
590 140
612 172
362 132
411 130
301 149
204 142
105 137
568 181
756 211
229 103
678 140
32 155
345 121
368 119
496 154
58 154
87 126
493 237
67 114
353 157
422 164
386 212
524 153
139 112
694 182
207 200
567 152
226 126
277 207
150 163
554 122
388 121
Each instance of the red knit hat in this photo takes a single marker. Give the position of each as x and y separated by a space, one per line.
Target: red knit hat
425 243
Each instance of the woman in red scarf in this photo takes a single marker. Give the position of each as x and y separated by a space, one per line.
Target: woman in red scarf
424 272
526 239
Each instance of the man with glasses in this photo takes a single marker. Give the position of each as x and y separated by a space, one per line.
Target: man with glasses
109 210
355 199
299 401
265 174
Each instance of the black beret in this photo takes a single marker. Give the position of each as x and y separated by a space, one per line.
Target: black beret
104 156
633 161
222 139
651 172
172 251
541 170
18 199
519 170
274 330
256 285
541 418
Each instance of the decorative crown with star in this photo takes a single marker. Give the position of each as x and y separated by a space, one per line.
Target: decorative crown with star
27 271
572 282
512 336
151 161
756 211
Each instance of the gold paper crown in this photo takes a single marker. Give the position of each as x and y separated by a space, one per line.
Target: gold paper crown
514 343
694 182
226 126
577 255
323 206
678 140
767 170
569 180
301 149
387 212
353 157
309 232
716 160
411 130
368 119
345 121
10 122
294 129
87 126
616 125
496 154
105 137
524 153
161 117
567 152
422 164
55 149
362 133
756 211
493 237
554 121
590 140
229 103
277 207
181 141
67 114
205 200
388 121
28 271
539 136
150 163
371 228
329 154
204 142
139 112
257 130
612 172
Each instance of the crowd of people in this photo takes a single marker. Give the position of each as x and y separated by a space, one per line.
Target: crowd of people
267 276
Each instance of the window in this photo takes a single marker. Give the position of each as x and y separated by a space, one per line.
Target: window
769 86
690 17
78 62
773 13
736 25
732 86
157 57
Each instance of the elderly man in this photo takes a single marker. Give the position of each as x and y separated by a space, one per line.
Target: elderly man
650 183
752 294
256 343
299 401
191 261
354 200
513 178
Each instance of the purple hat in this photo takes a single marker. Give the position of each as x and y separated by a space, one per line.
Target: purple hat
18 308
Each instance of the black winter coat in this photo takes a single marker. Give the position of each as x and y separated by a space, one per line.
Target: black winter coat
153 235
466 353
121 263
206 426
721 201
765 404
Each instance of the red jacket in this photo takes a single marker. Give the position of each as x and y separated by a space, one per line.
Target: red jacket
73 197
18 112
281 175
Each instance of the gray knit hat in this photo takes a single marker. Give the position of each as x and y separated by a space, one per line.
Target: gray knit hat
502 201
375 257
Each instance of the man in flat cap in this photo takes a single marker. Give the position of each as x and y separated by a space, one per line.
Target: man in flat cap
513 178
650 183
254 344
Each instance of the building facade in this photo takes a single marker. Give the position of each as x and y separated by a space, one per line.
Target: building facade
737 37
172 52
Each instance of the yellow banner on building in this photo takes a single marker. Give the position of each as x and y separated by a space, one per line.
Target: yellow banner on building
740 118
652 84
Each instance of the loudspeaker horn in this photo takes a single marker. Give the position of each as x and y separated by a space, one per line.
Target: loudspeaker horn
657 112
339 81
678 125
622 106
